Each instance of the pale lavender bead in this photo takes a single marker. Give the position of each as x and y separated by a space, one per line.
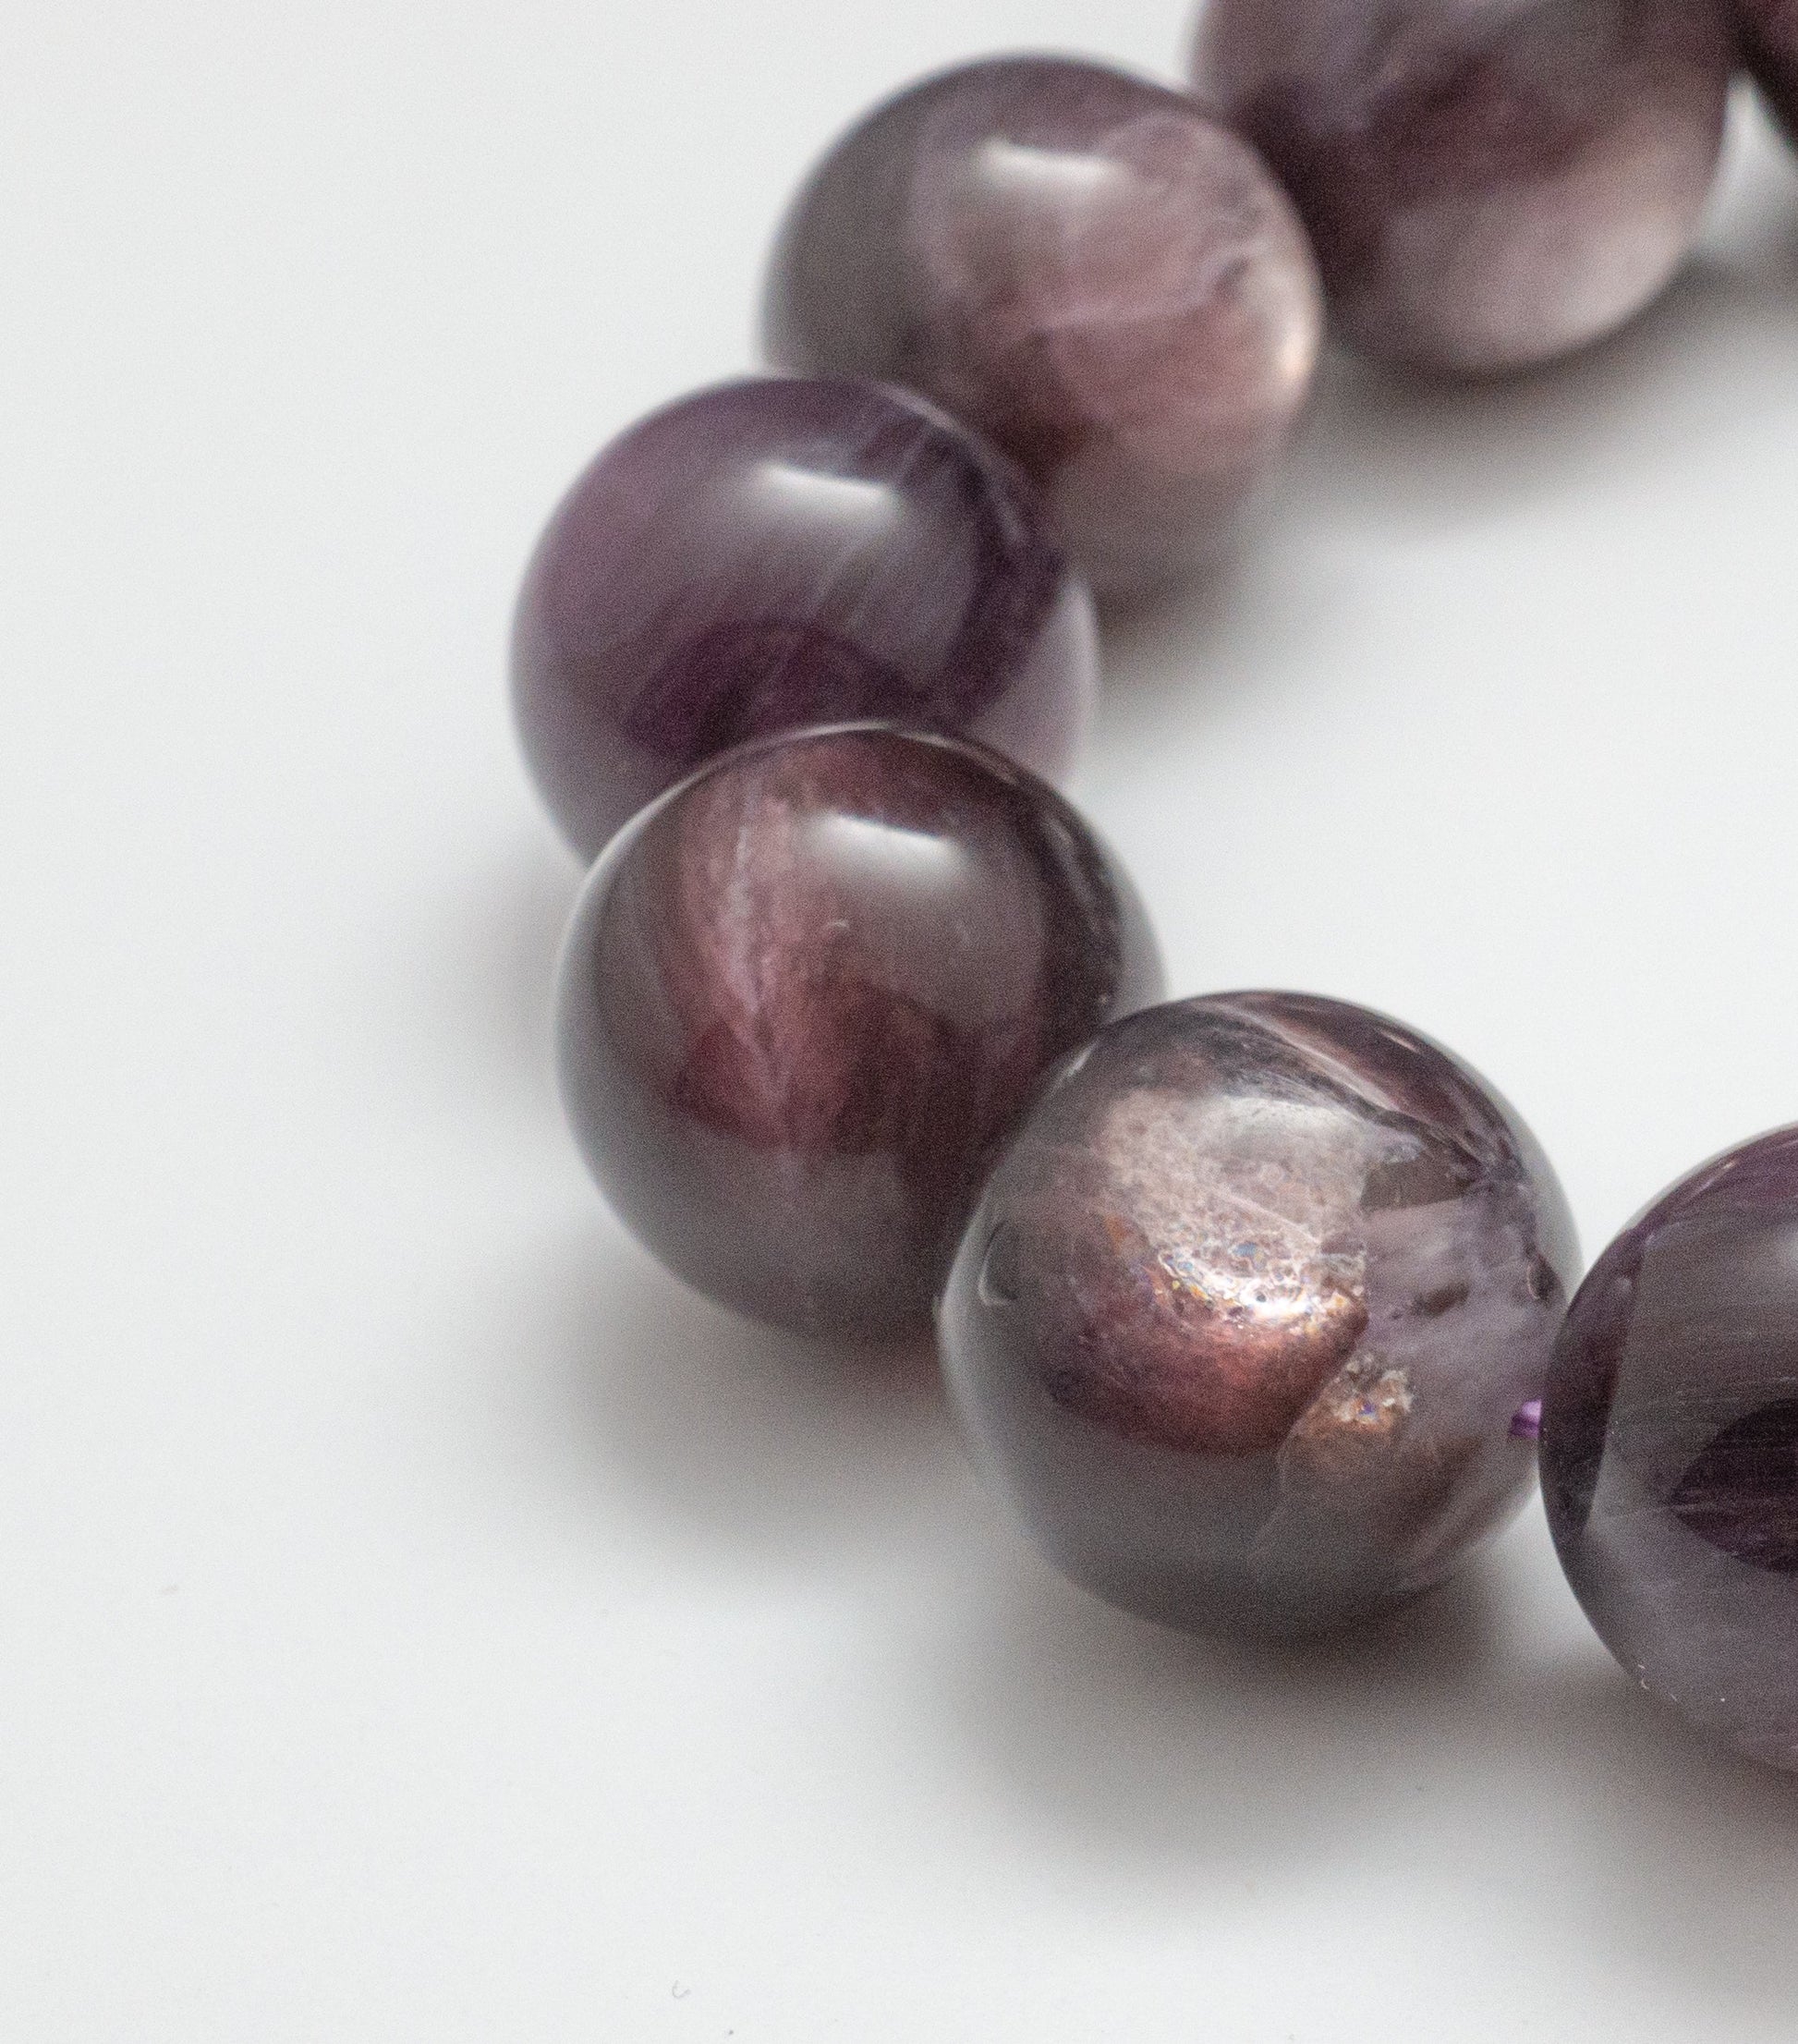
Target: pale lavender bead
1246 1315
1669 1447
1488 183
784 551
1086 266
1769 40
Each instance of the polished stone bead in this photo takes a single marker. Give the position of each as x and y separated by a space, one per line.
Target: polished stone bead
1669 1447
1087 267
1770 39
1250 1307
1488 183
805 994
784 551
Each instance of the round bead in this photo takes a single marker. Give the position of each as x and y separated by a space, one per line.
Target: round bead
1669 1447
805 995
1087 267
784 551
1248 1311
1770 39
1488 183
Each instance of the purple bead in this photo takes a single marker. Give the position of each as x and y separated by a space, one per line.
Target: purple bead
1769 40
805 994
1488 183
1087 267
1669 1447
780 552
1246 1312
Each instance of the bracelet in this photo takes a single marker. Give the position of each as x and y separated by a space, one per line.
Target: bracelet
1262 1309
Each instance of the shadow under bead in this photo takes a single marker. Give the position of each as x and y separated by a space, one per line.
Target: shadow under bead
1489 184
1669 1447
805 995
1246 1312
1087 267
784 551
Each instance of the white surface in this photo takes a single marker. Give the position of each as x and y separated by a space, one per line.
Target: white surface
419 1620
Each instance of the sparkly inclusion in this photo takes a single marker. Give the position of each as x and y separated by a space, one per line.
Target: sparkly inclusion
1246 1315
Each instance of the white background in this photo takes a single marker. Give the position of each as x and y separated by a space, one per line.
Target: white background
420 1618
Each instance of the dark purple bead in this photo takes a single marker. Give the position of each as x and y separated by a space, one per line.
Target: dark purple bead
807 994
1769 40
1246 1315
785 551
1086 266
1669 1447
1488 183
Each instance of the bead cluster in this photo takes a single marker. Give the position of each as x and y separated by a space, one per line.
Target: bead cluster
1253 1305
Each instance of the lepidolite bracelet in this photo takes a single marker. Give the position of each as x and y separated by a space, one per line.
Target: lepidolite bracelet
1253 1305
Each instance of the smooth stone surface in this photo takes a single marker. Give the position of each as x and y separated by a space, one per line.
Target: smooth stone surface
1669 1447
1488 183
804 996
1769 40
1247 1314
1089 269
784 551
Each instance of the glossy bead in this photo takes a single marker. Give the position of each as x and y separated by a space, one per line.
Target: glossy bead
1250 1309
805 995
1770 39
1085 266
1488 183
780 552
1669 1447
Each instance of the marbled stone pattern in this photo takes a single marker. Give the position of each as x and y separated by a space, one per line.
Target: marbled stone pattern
1769 40
784 551
804 996
1086 267
1669 1447
1488 183
1249 1308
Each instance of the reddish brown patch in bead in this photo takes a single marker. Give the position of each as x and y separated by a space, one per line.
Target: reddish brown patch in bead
1247 1308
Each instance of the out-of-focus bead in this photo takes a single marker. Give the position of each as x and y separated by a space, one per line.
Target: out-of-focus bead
1769 40
1487 183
